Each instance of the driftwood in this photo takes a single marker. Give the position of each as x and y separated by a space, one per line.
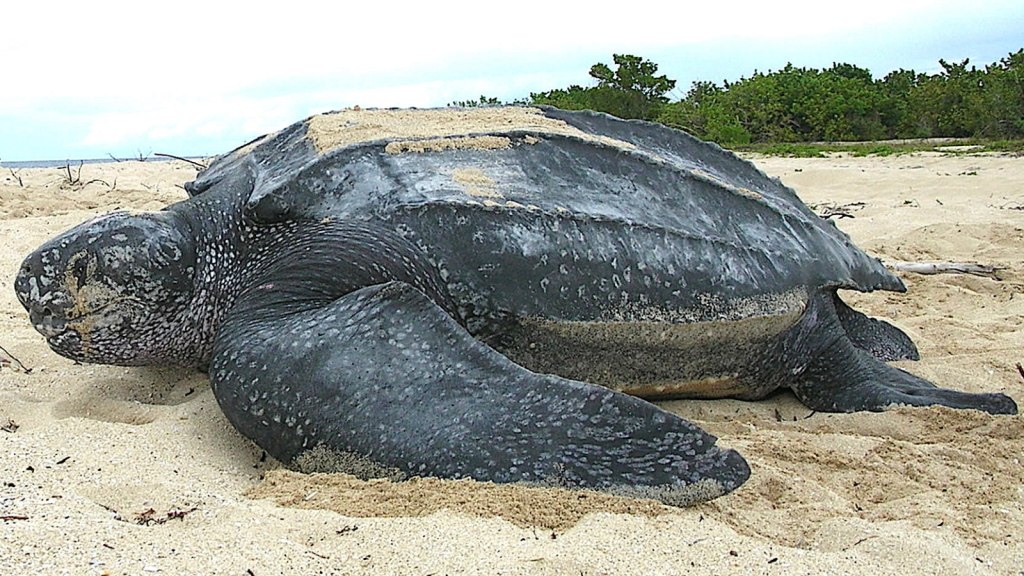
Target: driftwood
945 268
834 210
199 165
74 181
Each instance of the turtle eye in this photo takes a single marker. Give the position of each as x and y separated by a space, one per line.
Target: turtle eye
167 253
80 271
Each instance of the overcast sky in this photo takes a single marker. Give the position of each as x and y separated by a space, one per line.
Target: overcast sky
88 79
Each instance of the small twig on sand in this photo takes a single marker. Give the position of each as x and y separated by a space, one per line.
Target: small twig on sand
148 518
865 539
318 555
11 356
114 158
17 177
73 180
199 165
946 268
1020 370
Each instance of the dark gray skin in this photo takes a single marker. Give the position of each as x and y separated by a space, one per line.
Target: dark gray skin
351 306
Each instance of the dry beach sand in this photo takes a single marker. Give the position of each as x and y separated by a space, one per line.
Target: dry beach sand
107 470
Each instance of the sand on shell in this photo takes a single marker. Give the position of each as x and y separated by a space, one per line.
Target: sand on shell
107 470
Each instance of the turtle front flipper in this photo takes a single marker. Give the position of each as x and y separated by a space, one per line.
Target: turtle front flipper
383 382
840 376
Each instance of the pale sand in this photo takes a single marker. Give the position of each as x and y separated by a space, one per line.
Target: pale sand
104 459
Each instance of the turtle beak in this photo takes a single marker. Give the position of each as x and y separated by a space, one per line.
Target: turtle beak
47 323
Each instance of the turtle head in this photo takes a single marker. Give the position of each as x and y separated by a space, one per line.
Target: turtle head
108 291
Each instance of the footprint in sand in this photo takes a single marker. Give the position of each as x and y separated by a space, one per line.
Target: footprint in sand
139 396
105 410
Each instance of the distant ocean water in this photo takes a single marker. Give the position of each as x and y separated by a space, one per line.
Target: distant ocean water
62 163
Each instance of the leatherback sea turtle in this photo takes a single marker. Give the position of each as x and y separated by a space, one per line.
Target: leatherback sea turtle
437 292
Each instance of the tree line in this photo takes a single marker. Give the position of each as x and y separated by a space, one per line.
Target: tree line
841 103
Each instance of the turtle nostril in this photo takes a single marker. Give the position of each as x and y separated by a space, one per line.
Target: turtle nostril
47 313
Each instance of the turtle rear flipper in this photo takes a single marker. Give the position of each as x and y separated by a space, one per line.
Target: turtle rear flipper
878 337
382 379
843 377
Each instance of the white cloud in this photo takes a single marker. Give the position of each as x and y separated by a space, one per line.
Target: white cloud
245 118
119 48
212 128
205 117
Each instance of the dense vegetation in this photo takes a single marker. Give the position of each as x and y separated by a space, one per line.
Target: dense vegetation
841 103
